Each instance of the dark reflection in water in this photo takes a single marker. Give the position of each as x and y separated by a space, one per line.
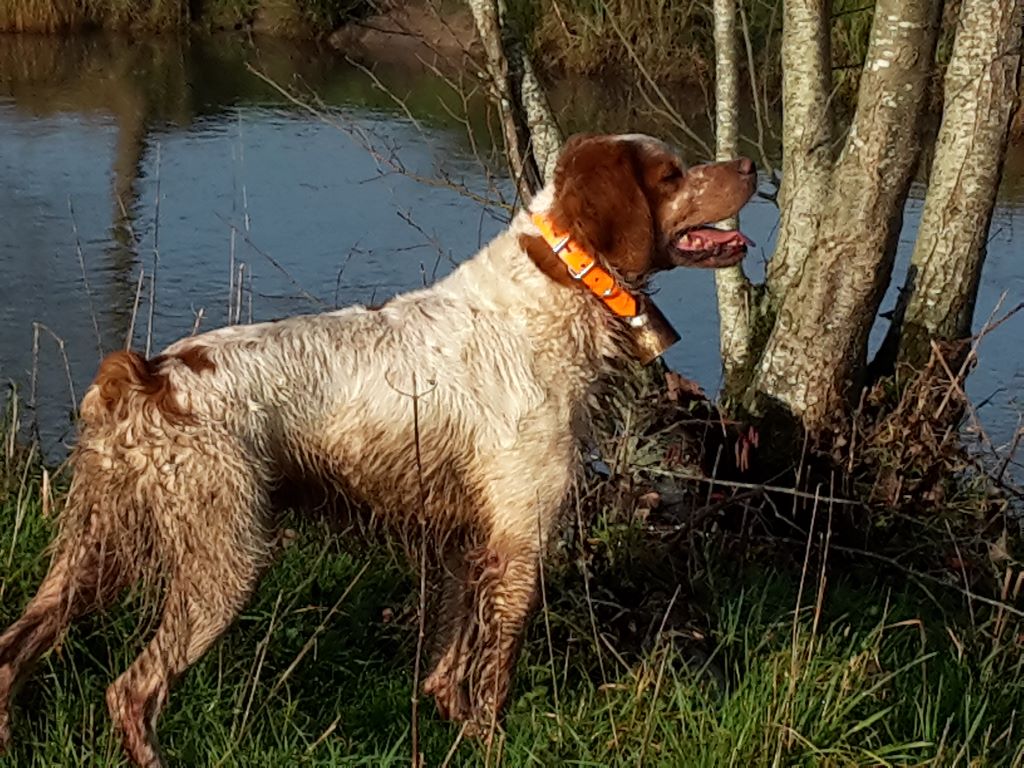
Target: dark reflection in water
248 181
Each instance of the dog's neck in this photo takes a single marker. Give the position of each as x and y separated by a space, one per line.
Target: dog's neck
503 277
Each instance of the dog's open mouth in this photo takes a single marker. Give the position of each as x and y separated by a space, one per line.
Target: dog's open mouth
711 247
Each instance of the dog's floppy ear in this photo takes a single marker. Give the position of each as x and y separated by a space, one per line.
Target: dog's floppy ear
599 200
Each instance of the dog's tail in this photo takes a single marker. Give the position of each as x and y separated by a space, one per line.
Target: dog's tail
126 384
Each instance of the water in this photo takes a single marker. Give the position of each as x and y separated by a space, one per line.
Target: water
116 157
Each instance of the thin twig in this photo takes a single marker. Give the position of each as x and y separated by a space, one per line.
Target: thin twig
156 258
417 758
85 277
273 262
129 337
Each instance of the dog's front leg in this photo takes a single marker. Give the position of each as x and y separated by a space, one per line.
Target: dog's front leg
453 636
504 583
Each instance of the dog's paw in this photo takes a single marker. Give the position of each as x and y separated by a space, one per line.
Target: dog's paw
451 700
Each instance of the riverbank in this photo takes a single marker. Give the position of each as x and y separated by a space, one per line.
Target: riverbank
667 636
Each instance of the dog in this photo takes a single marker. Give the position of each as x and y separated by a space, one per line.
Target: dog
453 413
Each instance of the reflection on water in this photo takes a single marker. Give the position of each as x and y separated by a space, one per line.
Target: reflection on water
119 156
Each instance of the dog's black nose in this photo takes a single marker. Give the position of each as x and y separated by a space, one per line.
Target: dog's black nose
746 165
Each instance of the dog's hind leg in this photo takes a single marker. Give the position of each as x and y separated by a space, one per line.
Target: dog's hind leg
81 579
211 582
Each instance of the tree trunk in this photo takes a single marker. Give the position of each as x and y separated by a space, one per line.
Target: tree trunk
733 287
980 91
531 135
806 138
814 358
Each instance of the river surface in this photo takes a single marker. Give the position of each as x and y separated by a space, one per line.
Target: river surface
172 157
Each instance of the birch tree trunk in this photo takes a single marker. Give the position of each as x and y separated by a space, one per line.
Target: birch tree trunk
806 138
733 288
814 358
529 130
980 92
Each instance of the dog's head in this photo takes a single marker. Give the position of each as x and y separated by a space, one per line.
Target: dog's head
633 204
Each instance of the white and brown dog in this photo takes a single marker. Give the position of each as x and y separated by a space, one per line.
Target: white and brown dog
452 410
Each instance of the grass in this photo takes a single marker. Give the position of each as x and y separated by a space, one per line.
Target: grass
708 656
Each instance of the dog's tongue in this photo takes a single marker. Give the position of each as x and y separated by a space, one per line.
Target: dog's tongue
703 238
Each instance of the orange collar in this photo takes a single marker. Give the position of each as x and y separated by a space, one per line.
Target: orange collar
585 269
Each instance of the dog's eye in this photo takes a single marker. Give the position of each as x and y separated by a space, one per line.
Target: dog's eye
673 173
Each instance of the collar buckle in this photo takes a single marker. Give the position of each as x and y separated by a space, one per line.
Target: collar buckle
582 273
580 264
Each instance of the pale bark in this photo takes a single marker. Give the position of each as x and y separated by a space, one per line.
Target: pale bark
529 130
806 138
980 92
815 355
732 285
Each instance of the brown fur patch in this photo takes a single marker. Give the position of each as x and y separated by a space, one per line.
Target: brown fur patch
600 200
547 260
197 359
124 377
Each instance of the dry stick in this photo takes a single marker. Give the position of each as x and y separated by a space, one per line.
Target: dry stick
238 292
1011 451
249 299
130 336
799 598
756 487
231 275
245 190
156 258
417 758
231 242
547 619
33 384
37 326
324 736
822 579
963 572
455 745
85 277
273 262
